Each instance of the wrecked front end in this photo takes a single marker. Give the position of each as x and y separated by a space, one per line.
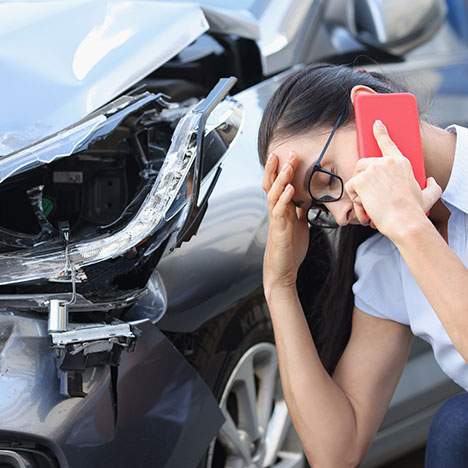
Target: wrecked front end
87 214
143 412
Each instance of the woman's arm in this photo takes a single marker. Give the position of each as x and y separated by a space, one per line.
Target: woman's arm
336 418
386 189
440 274
322 415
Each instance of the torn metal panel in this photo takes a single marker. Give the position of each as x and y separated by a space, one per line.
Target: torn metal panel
96 50
279 27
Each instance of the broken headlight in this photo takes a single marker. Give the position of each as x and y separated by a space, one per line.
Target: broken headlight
164 193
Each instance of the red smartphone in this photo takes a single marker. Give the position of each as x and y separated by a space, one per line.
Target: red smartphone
399 113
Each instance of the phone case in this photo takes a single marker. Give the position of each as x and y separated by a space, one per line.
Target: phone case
399 113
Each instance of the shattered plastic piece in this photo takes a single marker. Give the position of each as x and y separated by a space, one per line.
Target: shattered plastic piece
85 333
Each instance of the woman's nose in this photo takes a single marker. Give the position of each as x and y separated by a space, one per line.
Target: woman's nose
342 211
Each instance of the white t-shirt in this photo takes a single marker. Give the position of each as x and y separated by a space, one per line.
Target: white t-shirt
386 288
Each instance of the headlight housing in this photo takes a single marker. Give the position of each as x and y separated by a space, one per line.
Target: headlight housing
166 194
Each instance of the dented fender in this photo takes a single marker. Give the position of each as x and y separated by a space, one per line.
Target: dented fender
145 412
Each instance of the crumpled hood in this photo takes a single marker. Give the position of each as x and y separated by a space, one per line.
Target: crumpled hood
62 60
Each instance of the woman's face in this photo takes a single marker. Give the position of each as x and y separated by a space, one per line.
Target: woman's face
340 158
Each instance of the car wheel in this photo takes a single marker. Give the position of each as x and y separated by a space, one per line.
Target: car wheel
236 356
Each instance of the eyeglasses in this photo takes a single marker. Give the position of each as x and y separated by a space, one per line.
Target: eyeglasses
321 219
324 186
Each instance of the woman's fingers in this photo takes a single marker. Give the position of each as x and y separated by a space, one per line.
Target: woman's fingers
363 163
270 174
386 144
351 187
431 193
283 200
356 199
361 214
279 185
284 176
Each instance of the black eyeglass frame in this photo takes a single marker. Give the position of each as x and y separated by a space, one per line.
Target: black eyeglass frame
318 168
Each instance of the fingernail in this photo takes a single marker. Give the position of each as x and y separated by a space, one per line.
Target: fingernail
291 156
379 124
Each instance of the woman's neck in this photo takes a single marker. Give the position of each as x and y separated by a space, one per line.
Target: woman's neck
439 153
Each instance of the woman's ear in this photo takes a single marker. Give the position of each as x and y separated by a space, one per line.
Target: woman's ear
360 89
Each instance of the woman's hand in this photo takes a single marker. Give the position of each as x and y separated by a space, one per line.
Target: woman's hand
288 231
385 188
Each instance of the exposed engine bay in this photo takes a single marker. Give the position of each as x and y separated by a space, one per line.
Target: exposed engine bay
90 190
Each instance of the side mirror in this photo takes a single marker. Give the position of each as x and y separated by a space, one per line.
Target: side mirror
396 26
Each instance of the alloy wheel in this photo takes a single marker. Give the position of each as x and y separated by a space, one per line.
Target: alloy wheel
258 432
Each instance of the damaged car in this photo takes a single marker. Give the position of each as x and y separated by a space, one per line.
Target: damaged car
109 161
134 330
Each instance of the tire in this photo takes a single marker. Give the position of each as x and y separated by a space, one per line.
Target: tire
223 349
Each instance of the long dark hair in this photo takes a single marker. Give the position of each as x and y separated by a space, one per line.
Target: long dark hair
311 98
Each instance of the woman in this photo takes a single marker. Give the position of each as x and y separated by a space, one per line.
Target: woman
411 277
